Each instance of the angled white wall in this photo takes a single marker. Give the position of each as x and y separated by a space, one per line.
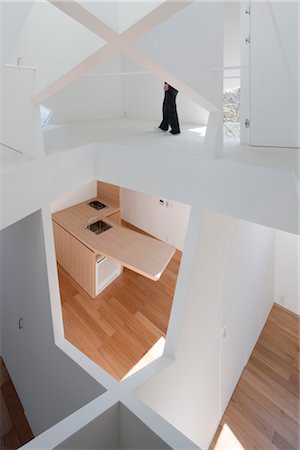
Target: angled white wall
1 72
200 380
287 265
106 11
14 14
49 384
53 43
247 297
21 112
55 176
238 190
142 95
96 95
167 220
118 88
78 195
116 428
132 12
189 45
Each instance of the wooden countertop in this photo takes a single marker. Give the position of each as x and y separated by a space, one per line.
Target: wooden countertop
142 254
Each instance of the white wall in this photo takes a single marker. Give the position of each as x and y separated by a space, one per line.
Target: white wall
21 121
131 12
53 43
247 296
142 96
96 95
287 270
134 434
49 384
189 45
217 282
1 290
108 12
232 43
274 74
239 190
102 432
116 428
1 71
118 88
167 223
77 195
39 182
15 14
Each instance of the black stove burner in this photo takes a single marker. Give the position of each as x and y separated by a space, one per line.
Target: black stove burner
97 205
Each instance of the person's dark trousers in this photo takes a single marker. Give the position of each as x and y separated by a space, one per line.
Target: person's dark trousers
170 117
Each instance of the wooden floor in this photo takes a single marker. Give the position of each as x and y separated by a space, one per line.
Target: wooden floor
119 326
263 412
15 430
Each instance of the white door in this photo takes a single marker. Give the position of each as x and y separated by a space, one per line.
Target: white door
274 74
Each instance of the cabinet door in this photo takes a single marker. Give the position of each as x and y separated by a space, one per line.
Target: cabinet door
78 260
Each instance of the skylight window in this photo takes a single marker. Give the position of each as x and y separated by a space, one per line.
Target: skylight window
45 114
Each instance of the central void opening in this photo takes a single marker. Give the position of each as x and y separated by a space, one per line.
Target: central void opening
117 286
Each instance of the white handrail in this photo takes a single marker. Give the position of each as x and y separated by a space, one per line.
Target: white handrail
17 66
116 73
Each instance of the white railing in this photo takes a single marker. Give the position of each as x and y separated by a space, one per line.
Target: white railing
19 66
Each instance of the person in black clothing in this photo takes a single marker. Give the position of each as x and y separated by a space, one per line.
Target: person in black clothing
170 117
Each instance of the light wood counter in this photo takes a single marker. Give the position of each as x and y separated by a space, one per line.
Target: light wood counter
142 254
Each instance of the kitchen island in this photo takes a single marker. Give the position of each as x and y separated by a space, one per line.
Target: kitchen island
78 247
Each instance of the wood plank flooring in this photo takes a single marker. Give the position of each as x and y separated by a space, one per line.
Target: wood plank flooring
15 430
119 326
263 412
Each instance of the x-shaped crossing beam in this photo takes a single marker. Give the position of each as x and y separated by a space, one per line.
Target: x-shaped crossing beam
122 43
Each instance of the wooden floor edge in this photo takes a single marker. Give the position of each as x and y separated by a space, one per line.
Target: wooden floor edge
283 308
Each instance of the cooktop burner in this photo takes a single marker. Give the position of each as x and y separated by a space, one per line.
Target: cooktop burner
97 205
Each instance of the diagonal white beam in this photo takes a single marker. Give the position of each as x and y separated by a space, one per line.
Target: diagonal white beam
75 73
85 18
159 15
147 62
122 42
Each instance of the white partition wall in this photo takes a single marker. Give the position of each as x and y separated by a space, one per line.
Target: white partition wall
274 74
14 15
21 112
49 384
53 43
232 287
1 73
287 270
165 219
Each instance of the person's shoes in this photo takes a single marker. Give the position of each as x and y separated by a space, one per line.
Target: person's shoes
174 132
159 129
